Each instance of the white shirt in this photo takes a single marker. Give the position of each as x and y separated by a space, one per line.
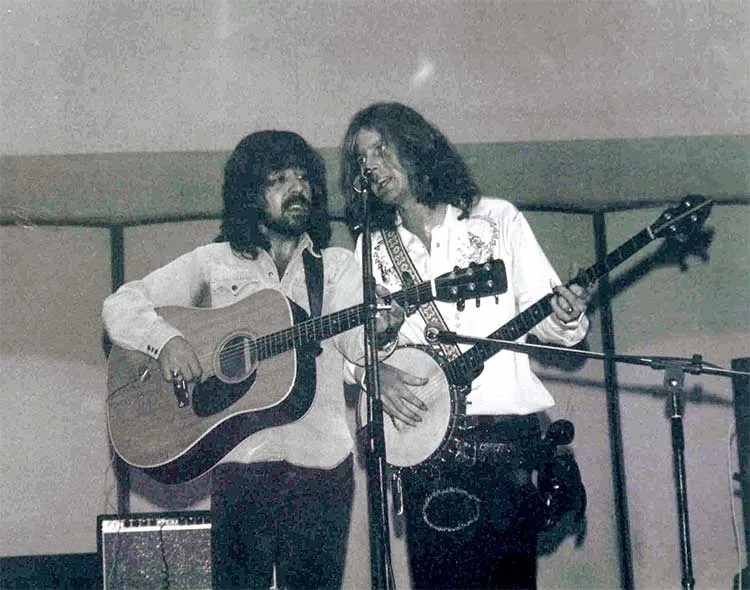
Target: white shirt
321 438
495 229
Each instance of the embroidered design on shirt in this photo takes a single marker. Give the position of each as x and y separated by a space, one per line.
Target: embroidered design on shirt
477 243
382 263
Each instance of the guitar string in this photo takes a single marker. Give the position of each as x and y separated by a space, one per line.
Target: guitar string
313 328
272 344
473 358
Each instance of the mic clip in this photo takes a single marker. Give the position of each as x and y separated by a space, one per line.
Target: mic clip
433 335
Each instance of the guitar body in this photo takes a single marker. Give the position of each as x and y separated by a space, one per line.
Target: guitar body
239 393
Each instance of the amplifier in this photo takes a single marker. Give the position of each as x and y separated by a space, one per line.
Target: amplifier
164 550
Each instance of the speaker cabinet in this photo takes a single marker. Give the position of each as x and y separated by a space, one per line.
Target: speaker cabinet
155 550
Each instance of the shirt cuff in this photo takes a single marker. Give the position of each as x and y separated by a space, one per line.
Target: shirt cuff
158 336
574 331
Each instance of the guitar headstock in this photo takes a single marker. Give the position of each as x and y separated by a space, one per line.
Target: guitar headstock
472 282
681 221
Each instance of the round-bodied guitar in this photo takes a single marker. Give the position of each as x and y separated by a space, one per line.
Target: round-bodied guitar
436 436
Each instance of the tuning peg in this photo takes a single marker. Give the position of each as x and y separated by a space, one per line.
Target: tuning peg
497 299
479 301
460 305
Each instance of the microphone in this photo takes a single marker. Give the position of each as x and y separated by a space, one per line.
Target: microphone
363 180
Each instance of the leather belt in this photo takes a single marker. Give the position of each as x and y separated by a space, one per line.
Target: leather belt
502 428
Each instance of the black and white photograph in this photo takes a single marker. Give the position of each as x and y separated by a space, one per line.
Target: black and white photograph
399 295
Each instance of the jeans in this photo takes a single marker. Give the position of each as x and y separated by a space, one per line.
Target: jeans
473 526
279 514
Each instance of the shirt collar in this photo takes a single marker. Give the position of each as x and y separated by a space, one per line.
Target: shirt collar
451 216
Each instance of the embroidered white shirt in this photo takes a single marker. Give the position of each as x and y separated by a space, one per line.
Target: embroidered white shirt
495 229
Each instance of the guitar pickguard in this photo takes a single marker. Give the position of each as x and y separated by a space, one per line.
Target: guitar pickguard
214 396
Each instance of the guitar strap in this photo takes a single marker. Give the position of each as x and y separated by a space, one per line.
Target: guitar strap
314 280
408 274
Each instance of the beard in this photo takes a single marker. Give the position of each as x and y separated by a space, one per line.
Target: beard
294 221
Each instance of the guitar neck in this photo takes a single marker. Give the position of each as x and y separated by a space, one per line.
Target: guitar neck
321 328
473 358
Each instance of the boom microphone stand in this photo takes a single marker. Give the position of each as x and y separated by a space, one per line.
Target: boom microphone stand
381 570
674 377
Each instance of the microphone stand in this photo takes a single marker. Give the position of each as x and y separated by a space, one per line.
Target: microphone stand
381 570
674 377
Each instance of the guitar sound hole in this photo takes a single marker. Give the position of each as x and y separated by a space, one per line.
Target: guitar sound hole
236 359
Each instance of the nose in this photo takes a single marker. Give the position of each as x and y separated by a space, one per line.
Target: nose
296 186
368 162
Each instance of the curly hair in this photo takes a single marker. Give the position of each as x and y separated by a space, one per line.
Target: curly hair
437 173
245 180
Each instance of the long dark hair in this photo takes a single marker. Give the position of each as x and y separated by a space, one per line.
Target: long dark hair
245 178
437 173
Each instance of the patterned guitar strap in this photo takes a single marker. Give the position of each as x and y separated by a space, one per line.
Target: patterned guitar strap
450 495
409 276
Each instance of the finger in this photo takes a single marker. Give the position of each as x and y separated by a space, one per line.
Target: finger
406 377
581 293
381 291
166 365
409 404
563 310
196 370
396 316
381 323
415 402
401 412
576 298
166 373
188 374
564 299
414 380
399 424
408 417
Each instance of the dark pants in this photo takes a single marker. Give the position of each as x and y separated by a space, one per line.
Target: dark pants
276 513
474 526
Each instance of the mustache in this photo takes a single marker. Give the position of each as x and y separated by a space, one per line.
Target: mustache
297 200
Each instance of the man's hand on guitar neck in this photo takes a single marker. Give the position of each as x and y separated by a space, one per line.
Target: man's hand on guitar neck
177 360
388 319
569 303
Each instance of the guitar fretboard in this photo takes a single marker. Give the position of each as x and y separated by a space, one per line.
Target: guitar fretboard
471 361
316 329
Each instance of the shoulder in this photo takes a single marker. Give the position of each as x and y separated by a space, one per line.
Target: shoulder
495 208
220 251
221 255
215 248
